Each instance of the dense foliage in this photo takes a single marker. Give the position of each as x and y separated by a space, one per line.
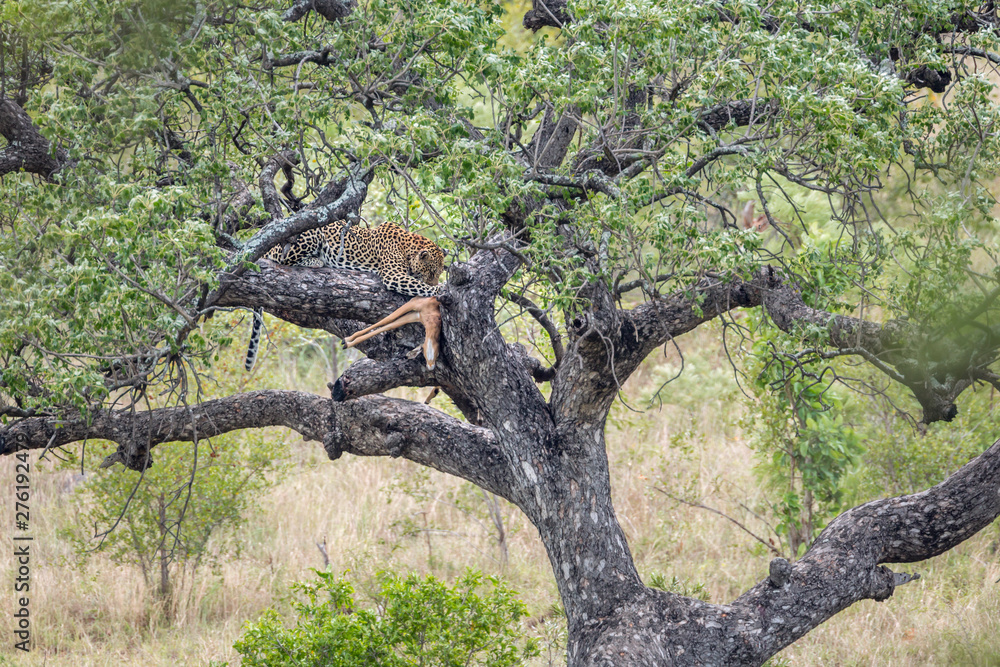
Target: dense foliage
169 109
413 621
608 177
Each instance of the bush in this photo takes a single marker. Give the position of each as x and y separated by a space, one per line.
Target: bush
162 519
413 621
804 448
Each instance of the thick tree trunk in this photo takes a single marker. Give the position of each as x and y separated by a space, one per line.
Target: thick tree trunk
548 456
567 496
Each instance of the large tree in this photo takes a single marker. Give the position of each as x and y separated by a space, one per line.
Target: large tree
587 171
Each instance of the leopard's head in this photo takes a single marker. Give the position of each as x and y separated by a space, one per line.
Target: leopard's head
427 264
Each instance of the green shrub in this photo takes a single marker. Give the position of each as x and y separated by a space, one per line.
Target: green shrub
680 586
412 621
805 450
162 519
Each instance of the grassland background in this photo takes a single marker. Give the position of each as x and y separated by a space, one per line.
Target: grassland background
390 514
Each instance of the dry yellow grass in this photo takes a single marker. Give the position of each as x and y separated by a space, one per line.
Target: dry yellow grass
390 514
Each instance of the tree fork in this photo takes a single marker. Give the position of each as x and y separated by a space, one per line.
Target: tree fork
563 487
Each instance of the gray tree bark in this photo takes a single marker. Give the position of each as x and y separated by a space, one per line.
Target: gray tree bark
548 457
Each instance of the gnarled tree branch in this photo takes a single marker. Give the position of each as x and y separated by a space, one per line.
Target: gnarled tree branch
352 188
27 150
934 370
340 301
843 565
331 10
366 376
371 426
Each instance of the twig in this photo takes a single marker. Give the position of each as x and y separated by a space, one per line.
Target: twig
723 515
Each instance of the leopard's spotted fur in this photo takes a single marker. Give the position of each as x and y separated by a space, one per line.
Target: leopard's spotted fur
406 262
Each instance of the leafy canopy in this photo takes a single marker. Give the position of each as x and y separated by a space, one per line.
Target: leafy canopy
168 109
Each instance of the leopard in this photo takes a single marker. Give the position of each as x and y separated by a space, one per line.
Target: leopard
407 263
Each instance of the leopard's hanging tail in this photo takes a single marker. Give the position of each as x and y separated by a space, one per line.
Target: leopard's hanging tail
258 324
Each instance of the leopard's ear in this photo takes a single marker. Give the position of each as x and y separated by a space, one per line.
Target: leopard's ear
423 254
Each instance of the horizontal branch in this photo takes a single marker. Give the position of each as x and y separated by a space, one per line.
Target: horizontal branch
366 377
372 426
739 113
611 355
137 431
936 371
973 52
339 301
326 57
712 156
593 180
